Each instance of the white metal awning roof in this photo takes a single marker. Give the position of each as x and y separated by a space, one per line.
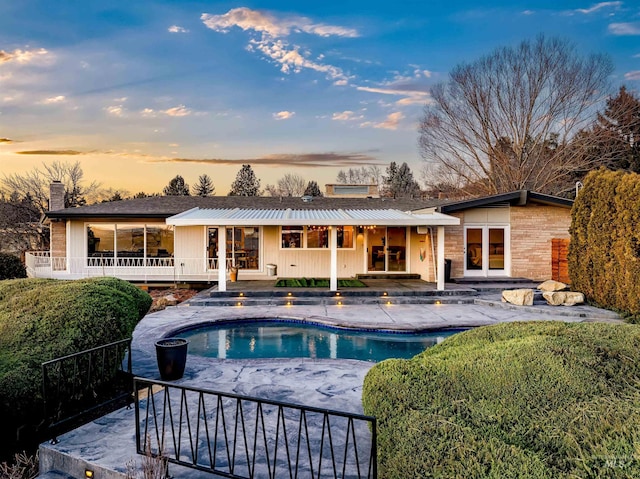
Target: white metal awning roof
291 217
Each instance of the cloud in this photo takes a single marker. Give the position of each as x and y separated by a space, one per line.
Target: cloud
53 99
411 96
5 140
51 152
346 115
176 111
179 110
177 29
391 123
528 12
633 75
269 33
267 24
596 7
115 110
303 160
284 115
624 28
22 56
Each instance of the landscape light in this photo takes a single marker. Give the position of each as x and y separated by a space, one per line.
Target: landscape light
88 473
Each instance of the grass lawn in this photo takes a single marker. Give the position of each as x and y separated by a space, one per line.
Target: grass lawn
318 283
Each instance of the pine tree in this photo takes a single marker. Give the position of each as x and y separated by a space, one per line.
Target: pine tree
312 189
618 132
204 187
246 183
399 182
176 187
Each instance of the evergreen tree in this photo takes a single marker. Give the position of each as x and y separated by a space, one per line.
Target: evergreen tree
399 182
246 183
312 189
176 187
618 132
204 187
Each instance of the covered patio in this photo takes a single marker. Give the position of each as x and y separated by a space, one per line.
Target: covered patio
297 225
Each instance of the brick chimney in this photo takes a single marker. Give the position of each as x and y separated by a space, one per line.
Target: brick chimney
56 196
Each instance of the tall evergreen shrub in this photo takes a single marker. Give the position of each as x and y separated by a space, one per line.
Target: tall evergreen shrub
604 253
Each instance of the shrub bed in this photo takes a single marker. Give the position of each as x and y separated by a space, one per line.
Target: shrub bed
535 400
43 319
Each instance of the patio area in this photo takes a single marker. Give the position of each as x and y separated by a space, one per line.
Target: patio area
105 445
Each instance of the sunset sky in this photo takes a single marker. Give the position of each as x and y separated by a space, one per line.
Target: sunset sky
140 91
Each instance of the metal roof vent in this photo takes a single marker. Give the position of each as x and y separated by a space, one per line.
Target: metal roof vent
307 198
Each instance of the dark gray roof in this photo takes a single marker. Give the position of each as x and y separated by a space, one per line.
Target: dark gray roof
514 198
165 206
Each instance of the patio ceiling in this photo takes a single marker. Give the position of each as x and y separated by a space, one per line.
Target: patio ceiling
320 217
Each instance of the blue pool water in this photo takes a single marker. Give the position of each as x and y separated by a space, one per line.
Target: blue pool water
280 339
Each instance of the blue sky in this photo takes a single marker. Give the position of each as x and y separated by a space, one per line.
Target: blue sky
140 91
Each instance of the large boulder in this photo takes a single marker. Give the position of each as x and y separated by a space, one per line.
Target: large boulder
520 297
564 298
551 285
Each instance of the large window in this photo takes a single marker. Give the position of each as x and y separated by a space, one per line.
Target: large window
315 237
243 247
129 244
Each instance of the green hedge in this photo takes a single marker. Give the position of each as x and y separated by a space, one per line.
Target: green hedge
604 253
11 267
534 400
43 319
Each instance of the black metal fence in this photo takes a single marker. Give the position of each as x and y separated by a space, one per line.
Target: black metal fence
245 438
81 386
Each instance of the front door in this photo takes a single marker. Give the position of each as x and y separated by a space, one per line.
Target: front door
486 250
387 249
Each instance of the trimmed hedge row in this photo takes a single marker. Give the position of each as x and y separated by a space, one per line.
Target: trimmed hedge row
42 319
604 253
535 400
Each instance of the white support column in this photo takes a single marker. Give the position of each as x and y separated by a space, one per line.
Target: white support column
333 239
222 258
440 285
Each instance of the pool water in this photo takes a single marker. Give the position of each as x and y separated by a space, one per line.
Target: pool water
279 339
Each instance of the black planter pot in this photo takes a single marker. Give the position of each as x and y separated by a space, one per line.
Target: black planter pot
172 357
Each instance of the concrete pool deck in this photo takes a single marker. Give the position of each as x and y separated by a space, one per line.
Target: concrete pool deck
107 444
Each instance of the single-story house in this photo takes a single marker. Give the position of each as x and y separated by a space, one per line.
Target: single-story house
183 238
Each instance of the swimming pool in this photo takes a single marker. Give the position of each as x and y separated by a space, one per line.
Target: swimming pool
289 339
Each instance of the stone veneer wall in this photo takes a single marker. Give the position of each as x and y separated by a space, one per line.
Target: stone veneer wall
454 246
58 235
532 229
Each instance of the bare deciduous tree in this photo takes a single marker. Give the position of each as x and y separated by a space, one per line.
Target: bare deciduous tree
35 184
365 175
289 185
510 120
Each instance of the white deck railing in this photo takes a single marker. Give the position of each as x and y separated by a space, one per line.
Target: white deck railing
40 264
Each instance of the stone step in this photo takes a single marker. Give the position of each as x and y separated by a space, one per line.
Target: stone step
325 293
330 301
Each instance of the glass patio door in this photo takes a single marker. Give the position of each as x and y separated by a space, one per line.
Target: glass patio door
387 249
486 250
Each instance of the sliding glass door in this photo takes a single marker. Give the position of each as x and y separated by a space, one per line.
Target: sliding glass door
387 249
